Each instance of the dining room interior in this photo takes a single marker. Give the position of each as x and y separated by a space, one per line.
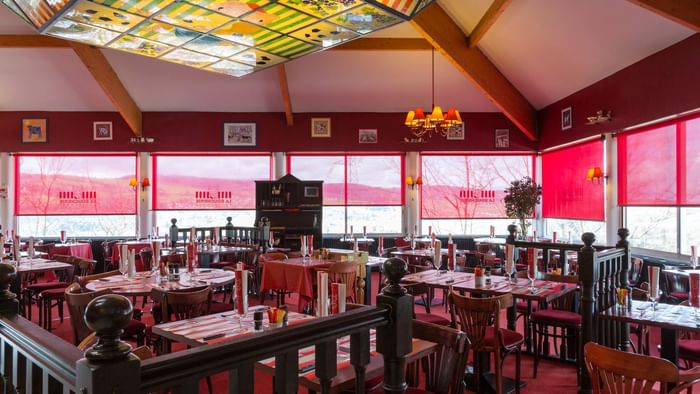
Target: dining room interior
333 196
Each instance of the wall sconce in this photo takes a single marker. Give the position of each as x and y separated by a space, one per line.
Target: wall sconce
595 174
134 183
410 182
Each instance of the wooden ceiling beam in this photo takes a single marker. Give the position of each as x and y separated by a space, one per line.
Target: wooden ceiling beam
684 12
284 89
447 37
31 41
489 18
385 44
104 74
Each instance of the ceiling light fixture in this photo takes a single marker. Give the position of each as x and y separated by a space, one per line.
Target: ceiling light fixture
234 37
423 125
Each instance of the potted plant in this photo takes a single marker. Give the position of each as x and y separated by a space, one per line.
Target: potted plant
521 198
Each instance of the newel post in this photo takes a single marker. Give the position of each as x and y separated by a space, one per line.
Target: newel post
623 233
588 275
108 366
394 340
9 305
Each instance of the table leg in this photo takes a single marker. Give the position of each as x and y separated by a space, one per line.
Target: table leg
669 345
368 285
528 329
512 316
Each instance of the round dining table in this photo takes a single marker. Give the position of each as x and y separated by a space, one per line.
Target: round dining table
142 283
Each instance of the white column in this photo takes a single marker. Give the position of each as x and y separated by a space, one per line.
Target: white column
7 192
412 203
279 161
613 213
144 220
539 220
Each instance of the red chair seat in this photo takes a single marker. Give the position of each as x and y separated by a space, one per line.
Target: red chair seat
555 316
134 328
679 295
39 287
521 306
218 307
689 347
431 318
510 338
56 292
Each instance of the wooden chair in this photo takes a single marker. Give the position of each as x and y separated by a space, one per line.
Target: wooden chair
614 371
635 272
345 273
560 315
77 301
676 286
480 319
444 369
641 331
181 305
54 297
30 292
179 258
107 247
422 290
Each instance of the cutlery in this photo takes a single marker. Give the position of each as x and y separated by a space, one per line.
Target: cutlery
209 338
306 369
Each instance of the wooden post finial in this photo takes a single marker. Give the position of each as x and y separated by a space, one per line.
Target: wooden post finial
588 239
394 269
107 316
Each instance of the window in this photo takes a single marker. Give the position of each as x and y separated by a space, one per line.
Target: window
86 195
358 190
201 191
463 194
574 229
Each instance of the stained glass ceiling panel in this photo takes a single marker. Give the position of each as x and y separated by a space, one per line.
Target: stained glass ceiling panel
233 37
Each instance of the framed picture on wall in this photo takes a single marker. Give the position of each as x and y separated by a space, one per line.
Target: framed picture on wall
320 127
239 134
455 132
35 130
367 136
566 118
102 131
502 138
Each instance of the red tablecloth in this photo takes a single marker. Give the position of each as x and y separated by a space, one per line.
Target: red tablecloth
83 250
293 275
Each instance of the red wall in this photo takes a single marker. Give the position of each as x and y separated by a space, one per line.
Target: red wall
663 84
202 132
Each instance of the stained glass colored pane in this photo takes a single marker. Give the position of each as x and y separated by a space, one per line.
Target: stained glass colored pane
189 58
374 180
165 33
214 46
57 4
191 17
231 68
467 187
321 8
75 185
365 19
329 169
566 193
288 47
208 182
245 33
234 8
13 7
257 58
139 7
279 18
405 7
71 30
324 34
140 46
101 16
37 11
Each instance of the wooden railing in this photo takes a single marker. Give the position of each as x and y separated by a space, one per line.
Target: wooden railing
249 235
35 361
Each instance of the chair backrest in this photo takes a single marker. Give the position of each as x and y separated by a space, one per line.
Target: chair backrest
345 273
147 257
84 280
272 256
611 369
418 289
476 314
77 301
635 272
44 248
84 267
568 301
183 304
444 369
179 258
62 258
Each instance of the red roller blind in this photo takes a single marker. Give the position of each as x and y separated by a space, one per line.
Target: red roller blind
469 187
207 182
74 185
690 170
566 193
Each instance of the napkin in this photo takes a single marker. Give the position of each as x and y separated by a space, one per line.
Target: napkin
124 255
15 247
693 257
492 231
132 264
155 245
322 281
30 247
338 298
191 234
430 232
694 289
438 253
510 255
654 281
380 247
451 255
554 236
242 291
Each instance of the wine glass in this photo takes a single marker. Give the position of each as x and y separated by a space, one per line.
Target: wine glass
532 273
413 243
123 268
63 236
380 249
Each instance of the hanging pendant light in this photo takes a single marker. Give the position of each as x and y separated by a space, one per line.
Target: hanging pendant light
437 122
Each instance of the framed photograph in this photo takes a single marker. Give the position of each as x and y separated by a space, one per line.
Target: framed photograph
368 136
320 127
566 118
455 132
311 191
239 134
502 138
35 130
102 131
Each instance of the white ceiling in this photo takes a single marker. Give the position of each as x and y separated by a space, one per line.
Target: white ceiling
547 48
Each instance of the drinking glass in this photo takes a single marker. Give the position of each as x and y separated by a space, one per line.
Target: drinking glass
413 243
532 273
123 268
380 250
304 251
63 236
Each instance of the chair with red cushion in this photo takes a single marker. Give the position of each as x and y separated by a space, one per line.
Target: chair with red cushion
677 287
480 319
30 292
560 315
55 296
422 290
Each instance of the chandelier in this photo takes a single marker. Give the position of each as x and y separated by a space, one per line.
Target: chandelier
436 122
234 37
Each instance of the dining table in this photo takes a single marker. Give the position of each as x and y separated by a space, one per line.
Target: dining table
75 249
134 245
295 275
215 253
142 283
34 266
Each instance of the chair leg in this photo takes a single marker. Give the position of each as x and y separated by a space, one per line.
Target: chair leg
498 376
517 371
539 337
59 304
